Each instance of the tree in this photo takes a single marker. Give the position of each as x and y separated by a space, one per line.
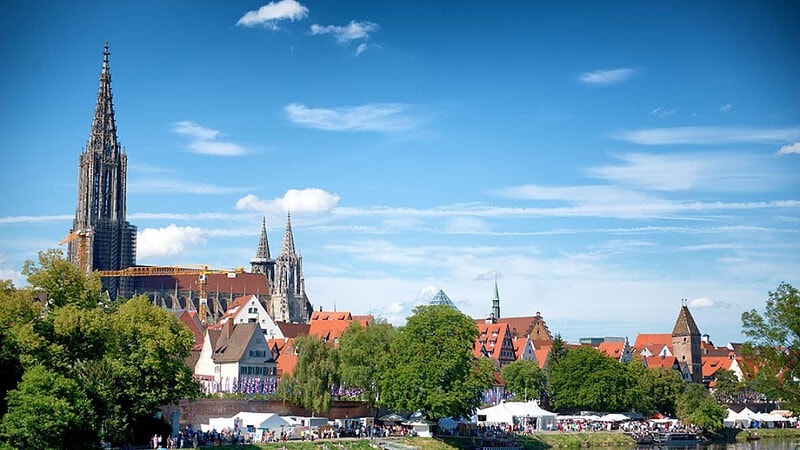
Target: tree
588 379
558 351
697 406
727 386
49 411
16 309
361 353
314 374
654 390
126 359
525 379
774 346
432 368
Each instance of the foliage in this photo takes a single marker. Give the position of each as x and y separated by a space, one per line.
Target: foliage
558 351
588 379
727 386
432 368
125 359
774 346
697 406
525 379
362 351
16 308
49 411
654 390
314 374
62 282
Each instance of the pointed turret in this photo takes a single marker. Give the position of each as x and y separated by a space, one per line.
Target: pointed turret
263 243
685 325
288 238
496 301
263 263
686 343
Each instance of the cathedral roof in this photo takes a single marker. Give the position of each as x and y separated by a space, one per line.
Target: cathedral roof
263 243
685 325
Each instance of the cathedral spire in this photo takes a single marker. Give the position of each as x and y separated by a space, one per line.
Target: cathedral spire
263 243
288 238
103 139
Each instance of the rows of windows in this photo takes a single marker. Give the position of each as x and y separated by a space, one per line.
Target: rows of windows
257 370
258 353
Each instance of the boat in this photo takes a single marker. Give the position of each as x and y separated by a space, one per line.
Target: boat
753 437
677 440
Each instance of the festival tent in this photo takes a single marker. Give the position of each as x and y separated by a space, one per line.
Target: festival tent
614 418
507 412
735 420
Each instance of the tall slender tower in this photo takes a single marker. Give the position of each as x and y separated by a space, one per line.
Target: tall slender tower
289 302
686 343
101 238
262 263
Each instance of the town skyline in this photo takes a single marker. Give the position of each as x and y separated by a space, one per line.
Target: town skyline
601 162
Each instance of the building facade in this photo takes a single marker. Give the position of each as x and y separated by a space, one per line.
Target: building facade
288 299
101 238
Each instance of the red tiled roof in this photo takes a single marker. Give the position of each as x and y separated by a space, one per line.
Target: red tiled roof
242 283
667 362
493 336
612 349
645 339
541 356
329 330
519 346
365 321
711 364
286 360
293 330
331 315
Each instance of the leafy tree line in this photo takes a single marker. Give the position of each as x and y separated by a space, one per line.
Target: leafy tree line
80 369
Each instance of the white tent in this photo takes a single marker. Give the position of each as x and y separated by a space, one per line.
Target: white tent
506 413
735 420
614 418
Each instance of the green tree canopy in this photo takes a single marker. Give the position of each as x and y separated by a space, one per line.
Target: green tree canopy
697 406
654 390
314 374
432 368
727 386
588 379
362 351
774 346
525 379
62 282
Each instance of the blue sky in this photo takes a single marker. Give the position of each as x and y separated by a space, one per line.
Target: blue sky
602 160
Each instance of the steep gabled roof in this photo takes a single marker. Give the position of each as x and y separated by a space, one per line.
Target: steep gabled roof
685 325
232 349
492 336
287 359
524 327
711 364
328 330
331 315
667 362
192 322
612 349
293 330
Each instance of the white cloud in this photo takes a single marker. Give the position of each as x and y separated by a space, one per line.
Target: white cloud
662 112
790 149
707 303
606 77
309 200
344 34
35 219
466 225
270 14
708 135
726 107
362 47
169 241
204 140
384 117
710 171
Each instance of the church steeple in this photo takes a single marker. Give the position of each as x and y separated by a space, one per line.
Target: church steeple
103 139
288 238
496 301
263 244
101 238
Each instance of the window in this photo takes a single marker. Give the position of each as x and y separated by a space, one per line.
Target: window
252 310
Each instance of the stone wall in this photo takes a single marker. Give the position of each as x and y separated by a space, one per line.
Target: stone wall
199 411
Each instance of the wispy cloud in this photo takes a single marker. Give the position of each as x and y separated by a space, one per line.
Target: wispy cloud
169 241
35 219
726 107
606 77
362 47
711 171
790 149
663 112
173 185
344 34
382 117
204 140
309 200
708 135
273 12
708 303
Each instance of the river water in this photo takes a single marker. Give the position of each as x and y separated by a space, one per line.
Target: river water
763 444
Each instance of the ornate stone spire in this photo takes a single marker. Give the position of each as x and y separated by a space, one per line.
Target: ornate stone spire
288 238
263 244
103 139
